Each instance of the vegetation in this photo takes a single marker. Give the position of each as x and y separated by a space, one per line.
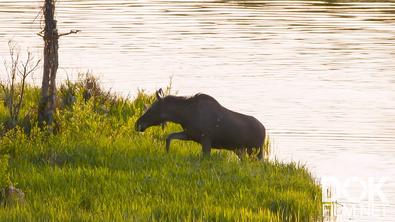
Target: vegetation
93 166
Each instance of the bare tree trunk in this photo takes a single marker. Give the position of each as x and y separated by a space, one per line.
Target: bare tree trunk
47 103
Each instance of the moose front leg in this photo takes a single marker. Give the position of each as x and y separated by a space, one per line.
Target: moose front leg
175 136
206 146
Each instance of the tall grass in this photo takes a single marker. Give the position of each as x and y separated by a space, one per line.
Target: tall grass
95 167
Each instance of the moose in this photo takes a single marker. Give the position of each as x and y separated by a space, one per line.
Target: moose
205 121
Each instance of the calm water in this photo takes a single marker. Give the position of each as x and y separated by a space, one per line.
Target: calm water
320 75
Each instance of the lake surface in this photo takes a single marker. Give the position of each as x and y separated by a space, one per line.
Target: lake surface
319 74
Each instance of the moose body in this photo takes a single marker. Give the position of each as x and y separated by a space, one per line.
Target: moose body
205 121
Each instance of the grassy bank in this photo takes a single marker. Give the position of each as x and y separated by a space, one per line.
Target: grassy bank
95 167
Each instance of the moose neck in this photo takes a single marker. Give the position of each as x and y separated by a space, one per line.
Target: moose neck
177 111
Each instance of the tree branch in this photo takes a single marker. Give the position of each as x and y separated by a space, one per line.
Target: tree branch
71 32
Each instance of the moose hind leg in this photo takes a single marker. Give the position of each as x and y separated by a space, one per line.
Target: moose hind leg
175 136
240 152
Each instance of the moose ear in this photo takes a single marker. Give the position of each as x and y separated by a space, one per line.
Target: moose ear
159 94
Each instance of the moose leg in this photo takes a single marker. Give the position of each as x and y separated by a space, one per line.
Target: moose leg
249 151
206 146
240 152
176 136
261 154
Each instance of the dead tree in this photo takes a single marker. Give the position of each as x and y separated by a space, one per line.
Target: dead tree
13 90
47 104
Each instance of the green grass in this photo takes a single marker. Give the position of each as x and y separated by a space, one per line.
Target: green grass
97 168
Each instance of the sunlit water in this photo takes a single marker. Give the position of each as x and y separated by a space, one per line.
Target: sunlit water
319 75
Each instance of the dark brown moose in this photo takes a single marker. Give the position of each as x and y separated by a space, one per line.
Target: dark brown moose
205 121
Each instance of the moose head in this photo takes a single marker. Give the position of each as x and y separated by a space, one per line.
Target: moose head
153 115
